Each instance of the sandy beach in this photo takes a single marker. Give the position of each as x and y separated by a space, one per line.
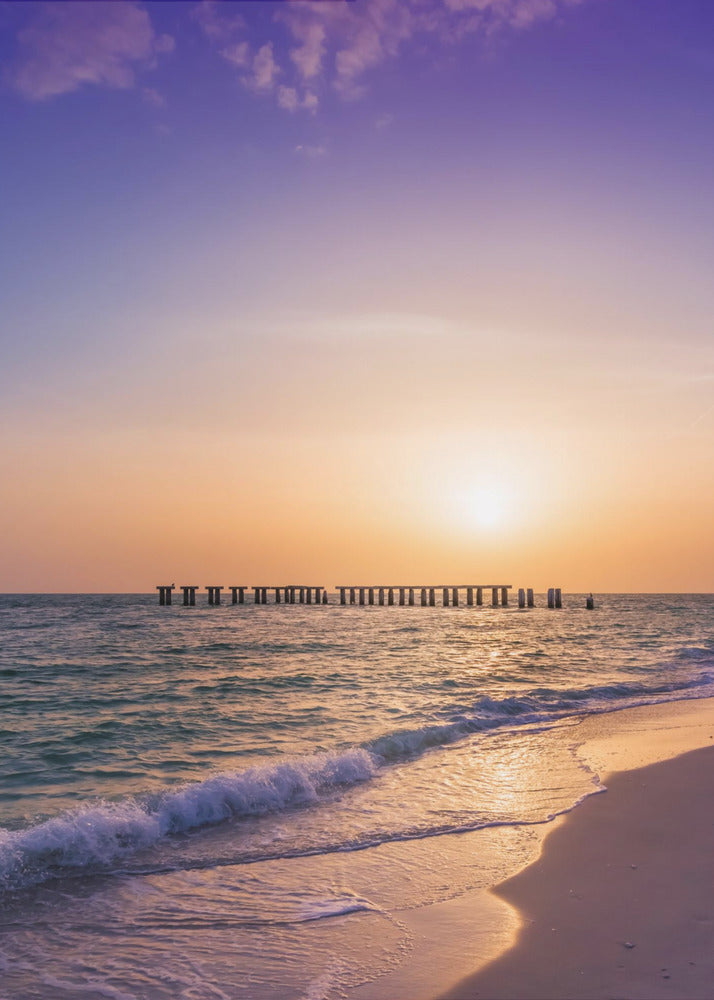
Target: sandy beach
620 902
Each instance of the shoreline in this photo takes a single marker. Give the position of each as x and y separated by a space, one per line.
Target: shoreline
619 903
476 946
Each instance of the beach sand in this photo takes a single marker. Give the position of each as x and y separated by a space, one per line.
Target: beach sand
631 865
621 901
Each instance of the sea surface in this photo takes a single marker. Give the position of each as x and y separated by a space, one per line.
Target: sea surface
240 801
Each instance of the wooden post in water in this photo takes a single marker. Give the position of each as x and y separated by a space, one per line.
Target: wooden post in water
470 596
530 598
504 596
521 597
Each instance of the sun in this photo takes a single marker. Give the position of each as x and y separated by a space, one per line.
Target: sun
485 507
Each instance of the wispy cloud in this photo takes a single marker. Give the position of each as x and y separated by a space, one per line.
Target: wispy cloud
69 45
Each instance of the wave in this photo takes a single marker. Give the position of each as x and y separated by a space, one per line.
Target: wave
96 835
99 834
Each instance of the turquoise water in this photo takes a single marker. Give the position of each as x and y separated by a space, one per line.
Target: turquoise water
199 801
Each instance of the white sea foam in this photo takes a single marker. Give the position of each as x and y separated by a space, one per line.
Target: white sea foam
93 836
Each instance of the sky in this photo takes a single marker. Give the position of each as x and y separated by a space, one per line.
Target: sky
365 292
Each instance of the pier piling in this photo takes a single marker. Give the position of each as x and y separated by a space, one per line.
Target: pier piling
529 597
521 597
165 594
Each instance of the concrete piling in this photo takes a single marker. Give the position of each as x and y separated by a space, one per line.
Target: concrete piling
504 596
390 596
432 597
558 598
423 597
494 597
445 597
529 597
521 597
165 594
470 597
411 597
479 596
551 597
455 596
381 597
189 596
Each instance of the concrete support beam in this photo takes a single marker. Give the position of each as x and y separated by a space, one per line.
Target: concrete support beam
308 595
551 597
361 596
371 595
411 597
423 597
504 596
470 596
521 597
494 597
390 596
189 596
529 597
402 596
445 597
353 595
318 599
343 595
381 597
432 597
558 597
455 597
479 596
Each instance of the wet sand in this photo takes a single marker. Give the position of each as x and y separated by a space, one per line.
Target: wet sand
620 904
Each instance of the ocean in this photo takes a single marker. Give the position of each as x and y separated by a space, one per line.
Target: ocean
243 801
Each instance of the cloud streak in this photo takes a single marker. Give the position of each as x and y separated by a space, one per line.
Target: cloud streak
68 45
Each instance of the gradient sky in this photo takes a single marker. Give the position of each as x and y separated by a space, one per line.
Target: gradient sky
367 292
